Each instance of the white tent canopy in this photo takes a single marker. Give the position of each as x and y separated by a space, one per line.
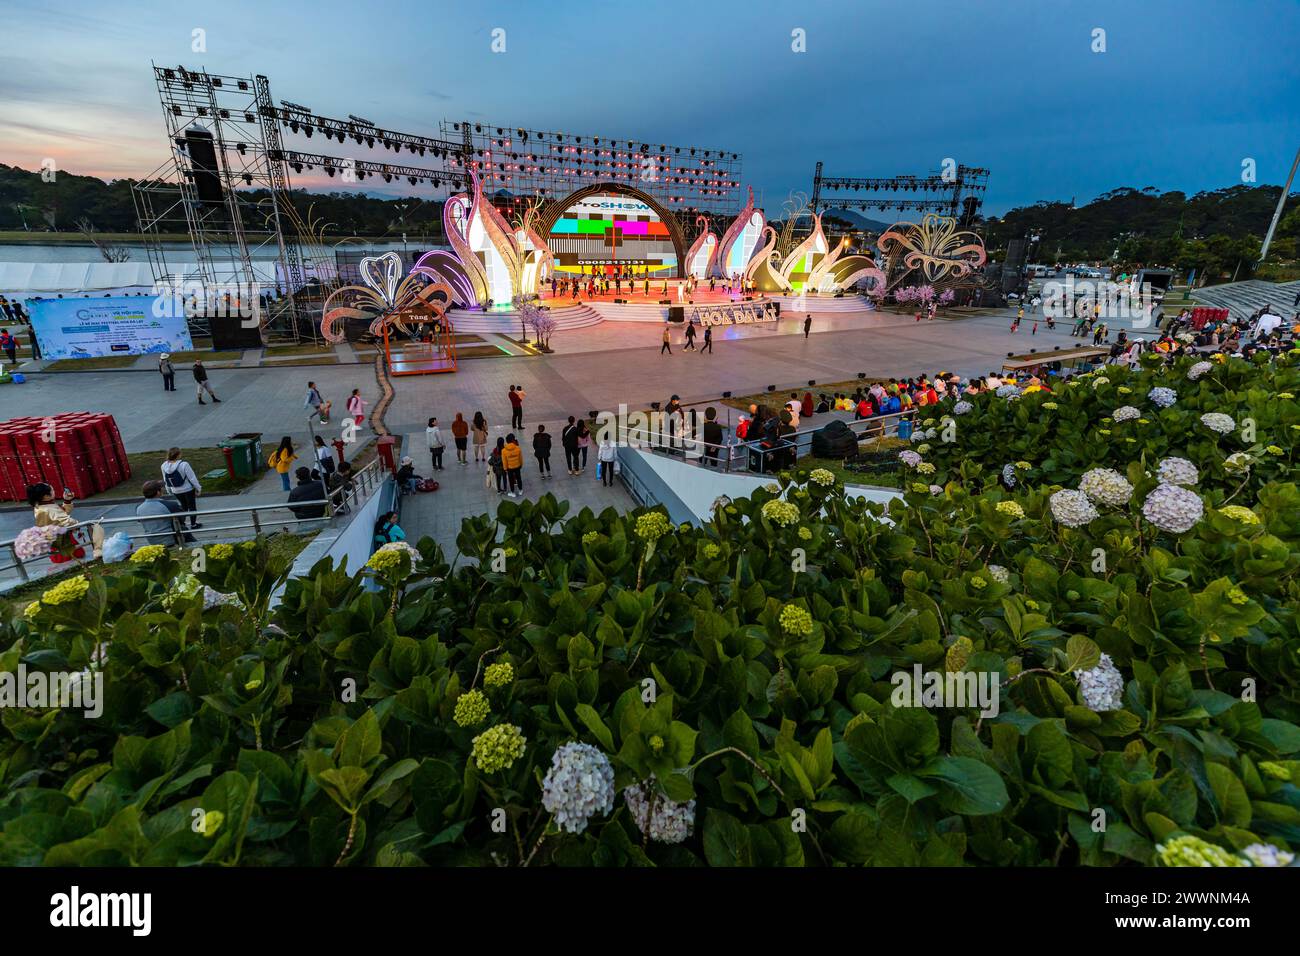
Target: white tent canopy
44 278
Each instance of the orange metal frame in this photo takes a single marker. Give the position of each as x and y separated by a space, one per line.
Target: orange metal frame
431 357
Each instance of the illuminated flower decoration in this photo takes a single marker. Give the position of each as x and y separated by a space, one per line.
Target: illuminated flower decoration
386 299
936 247
699 258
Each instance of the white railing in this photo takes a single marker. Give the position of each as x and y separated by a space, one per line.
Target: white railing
235 523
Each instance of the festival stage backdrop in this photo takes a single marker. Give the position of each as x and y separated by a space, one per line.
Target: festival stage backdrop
602 232
116 325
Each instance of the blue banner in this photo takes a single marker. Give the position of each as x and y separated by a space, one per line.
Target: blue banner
112 325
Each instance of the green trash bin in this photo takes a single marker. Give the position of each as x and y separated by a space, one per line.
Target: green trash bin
256 460
241 456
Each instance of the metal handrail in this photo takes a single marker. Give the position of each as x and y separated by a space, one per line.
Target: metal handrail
365 482
739 449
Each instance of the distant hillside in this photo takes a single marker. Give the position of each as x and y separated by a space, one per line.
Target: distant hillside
27 201
1211 230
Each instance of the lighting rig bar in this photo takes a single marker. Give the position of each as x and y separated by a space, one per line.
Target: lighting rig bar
550 164
365 167
299 118
960 193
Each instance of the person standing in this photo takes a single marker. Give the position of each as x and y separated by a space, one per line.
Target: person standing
667 342
569 440
168 372
712 435
357 407
201 383
497 467
433 437
480 431
584 442
707 346
516 396
282 460
183 484
10 346
807 325
460 434
512 460
542 451
605 455
324 457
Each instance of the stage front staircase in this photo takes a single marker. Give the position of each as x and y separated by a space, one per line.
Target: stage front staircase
567 317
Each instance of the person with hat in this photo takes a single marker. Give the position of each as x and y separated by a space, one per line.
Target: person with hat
168 372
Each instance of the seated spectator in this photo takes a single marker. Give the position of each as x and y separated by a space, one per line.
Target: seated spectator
407 479
864 409
161 528
387 530
308 489
823 406
341 487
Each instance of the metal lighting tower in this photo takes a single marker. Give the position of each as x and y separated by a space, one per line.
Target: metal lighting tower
1281 203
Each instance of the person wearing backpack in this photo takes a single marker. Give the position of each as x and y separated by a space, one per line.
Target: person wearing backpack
182 483
498 468
324 457
282 460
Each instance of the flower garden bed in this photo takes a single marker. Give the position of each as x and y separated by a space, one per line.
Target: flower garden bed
613 689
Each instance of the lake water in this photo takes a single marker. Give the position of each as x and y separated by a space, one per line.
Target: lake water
181 251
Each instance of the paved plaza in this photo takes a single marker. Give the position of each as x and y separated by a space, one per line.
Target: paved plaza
597 368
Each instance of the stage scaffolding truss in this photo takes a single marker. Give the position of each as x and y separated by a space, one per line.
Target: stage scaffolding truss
234 199
958 193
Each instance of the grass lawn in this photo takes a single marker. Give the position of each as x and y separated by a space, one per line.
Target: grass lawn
90 364
206 356
283 544
479 351
301 348
148 464
322 359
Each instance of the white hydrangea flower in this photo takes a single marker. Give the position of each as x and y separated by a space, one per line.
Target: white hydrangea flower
1199 369
1219 422
1102 687
1000 574
401 546
1126 413
1174 509
1265 854
1009 475
1008 391
1177 471
213 598
910 458
1239 462
669 822
1162 397
579 785
961 408
1106 486
1072 508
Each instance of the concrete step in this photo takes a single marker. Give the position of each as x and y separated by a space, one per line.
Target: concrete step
1246 297
507 322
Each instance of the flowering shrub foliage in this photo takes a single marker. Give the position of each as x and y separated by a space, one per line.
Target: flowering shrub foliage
629 691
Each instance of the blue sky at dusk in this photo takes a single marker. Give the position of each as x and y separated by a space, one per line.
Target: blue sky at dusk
1184 92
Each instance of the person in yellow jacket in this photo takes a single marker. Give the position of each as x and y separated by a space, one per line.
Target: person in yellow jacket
512 460
282 460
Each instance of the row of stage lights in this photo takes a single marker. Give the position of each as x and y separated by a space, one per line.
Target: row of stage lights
559 138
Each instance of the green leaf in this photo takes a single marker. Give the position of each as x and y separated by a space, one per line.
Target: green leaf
726 840
587 714
970 787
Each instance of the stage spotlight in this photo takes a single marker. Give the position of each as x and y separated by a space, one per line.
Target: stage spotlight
411 180
498 130
176 111
862 375
771 388
242 84
248 179
241 148
250 118
216 81
478 127
388 178
455 126
329 171
308 131
811 382
293 126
